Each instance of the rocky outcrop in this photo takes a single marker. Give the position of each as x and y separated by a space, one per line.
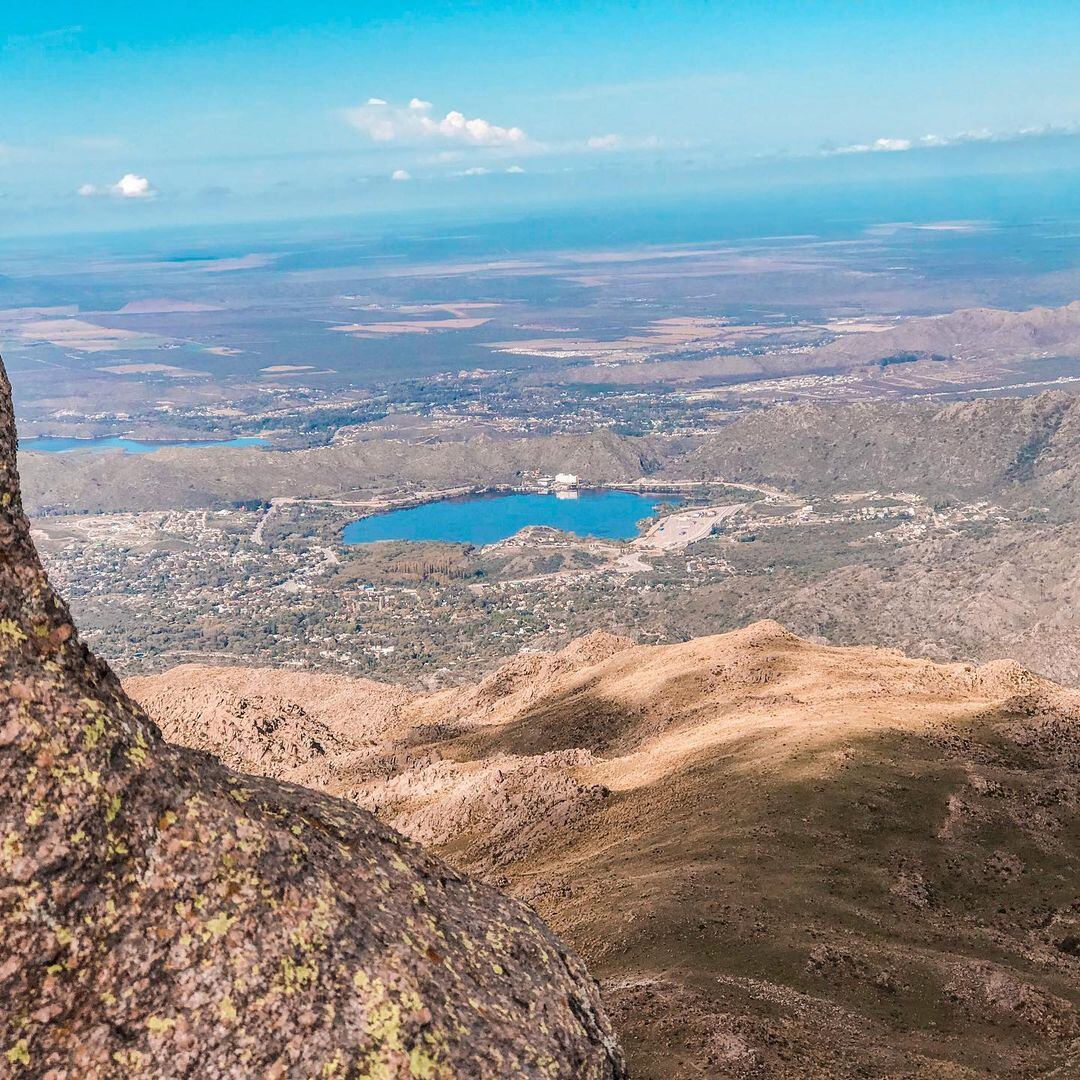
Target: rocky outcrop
161 915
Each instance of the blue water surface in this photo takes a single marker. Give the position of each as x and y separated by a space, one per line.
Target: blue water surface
52 444
486 519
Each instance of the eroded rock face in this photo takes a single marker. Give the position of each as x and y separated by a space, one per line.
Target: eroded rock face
161 915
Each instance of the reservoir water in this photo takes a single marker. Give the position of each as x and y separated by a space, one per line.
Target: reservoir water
51 444
486 519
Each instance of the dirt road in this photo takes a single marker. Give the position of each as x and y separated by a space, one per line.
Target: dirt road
685 527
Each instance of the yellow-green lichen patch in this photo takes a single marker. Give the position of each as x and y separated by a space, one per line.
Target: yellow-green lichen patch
12 631
19 1054
93 731
422 1064
294 976
218 925
112 809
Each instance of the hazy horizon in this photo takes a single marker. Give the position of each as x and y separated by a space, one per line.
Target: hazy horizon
118 120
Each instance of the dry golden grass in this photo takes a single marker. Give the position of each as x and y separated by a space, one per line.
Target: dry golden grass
782 859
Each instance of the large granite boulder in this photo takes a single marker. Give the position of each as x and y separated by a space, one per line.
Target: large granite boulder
163 916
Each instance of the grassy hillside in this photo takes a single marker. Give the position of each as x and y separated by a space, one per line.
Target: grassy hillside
781 859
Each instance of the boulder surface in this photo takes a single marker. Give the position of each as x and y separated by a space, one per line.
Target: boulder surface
162 915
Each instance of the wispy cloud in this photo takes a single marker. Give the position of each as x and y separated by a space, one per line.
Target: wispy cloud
415 123
604 142
929 142
61 35
613 141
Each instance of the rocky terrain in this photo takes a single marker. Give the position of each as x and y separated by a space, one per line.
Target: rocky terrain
1018 451
971 333
1012 593
161 915
783 860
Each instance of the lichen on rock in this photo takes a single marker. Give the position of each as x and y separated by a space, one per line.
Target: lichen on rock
161 915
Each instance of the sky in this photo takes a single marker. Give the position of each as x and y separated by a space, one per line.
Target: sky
125 115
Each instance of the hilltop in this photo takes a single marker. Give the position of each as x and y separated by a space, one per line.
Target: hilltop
782 859
980 333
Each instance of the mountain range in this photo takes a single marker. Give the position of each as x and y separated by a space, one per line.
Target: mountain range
1017 450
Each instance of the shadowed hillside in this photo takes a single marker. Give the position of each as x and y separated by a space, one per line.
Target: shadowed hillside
1015 450
783 859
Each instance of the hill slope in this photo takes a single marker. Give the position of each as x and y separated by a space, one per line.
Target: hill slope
783 859
1013 450
979 333
1016 451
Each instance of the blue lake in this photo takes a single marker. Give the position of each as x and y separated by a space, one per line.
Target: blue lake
51 444
486 519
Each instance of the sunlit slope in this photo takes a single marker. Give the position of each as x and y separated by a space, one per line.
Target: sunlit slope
783 859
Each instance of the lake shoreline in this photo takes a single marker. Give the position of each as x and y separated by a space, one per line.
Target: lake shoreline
605 513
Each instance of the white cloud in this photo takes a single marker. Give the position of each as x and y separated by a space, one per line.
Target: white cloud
400 174
377 101
516 169
130 186
477 170
604 142
415 123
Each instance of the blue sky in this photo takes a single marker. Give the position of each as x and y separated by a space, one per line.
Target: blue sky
130 114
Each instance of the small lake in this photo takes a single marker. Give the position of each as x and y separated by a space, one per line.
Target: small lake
52 444
486 519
